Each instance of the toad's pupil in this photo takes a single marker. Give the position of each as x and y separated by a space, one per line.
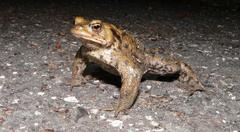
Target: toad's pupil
96 27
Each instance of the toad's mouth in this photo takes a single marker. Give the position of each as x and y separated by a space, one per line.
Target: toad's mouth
90 38
95 40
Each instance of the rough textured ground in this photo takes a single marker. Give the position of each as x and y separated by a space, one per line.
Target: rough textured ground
36 52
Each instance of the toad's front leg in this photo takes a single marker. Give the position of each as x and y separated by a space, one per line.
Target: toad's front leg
131 78
129 90
79 64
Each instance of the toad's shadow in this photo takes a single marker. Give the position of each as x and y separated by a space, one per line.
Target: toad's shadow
109 78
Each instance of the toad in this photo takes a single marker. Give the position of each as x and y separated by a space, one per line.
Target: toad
117 52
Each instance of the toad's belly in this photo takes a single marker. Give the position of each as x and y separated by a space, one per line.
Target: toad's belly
105 59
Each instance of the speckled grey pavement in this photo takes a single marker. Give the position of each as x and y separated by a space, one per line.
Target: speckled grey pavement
37 50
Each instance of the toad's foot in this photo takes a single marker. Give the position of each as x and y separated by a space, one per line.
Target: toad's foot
190 90
77 82
74 82
189 78
115 109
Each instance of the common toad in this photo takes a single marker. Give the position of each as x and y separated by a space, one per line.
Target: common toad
119 53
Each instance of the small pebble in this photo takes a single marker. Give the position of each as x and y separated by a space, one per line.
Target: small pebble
154 123
54 97
14 73
28 63
149 87
116 94
94 111
2 77
15 101
224 121
1 86
153 39
71 99
37 113
230 94
96 81
74 42
34 73
130 125
22 127
68 69
63 40
236 58
116 123
35 124
223 59
44 57
58 81
41 93
38 25
235 41
44 75
8 64
149 118
103 117
193 45
233 97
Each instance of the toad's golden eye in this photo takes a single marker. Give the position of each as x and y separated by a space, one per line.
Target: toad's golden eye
96 27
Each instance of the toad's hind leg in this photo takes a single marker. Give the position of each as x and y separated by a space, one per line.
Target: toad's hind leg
170 65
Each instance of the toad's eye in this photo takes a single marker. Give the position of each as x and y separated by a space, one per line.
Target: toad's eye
96 27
